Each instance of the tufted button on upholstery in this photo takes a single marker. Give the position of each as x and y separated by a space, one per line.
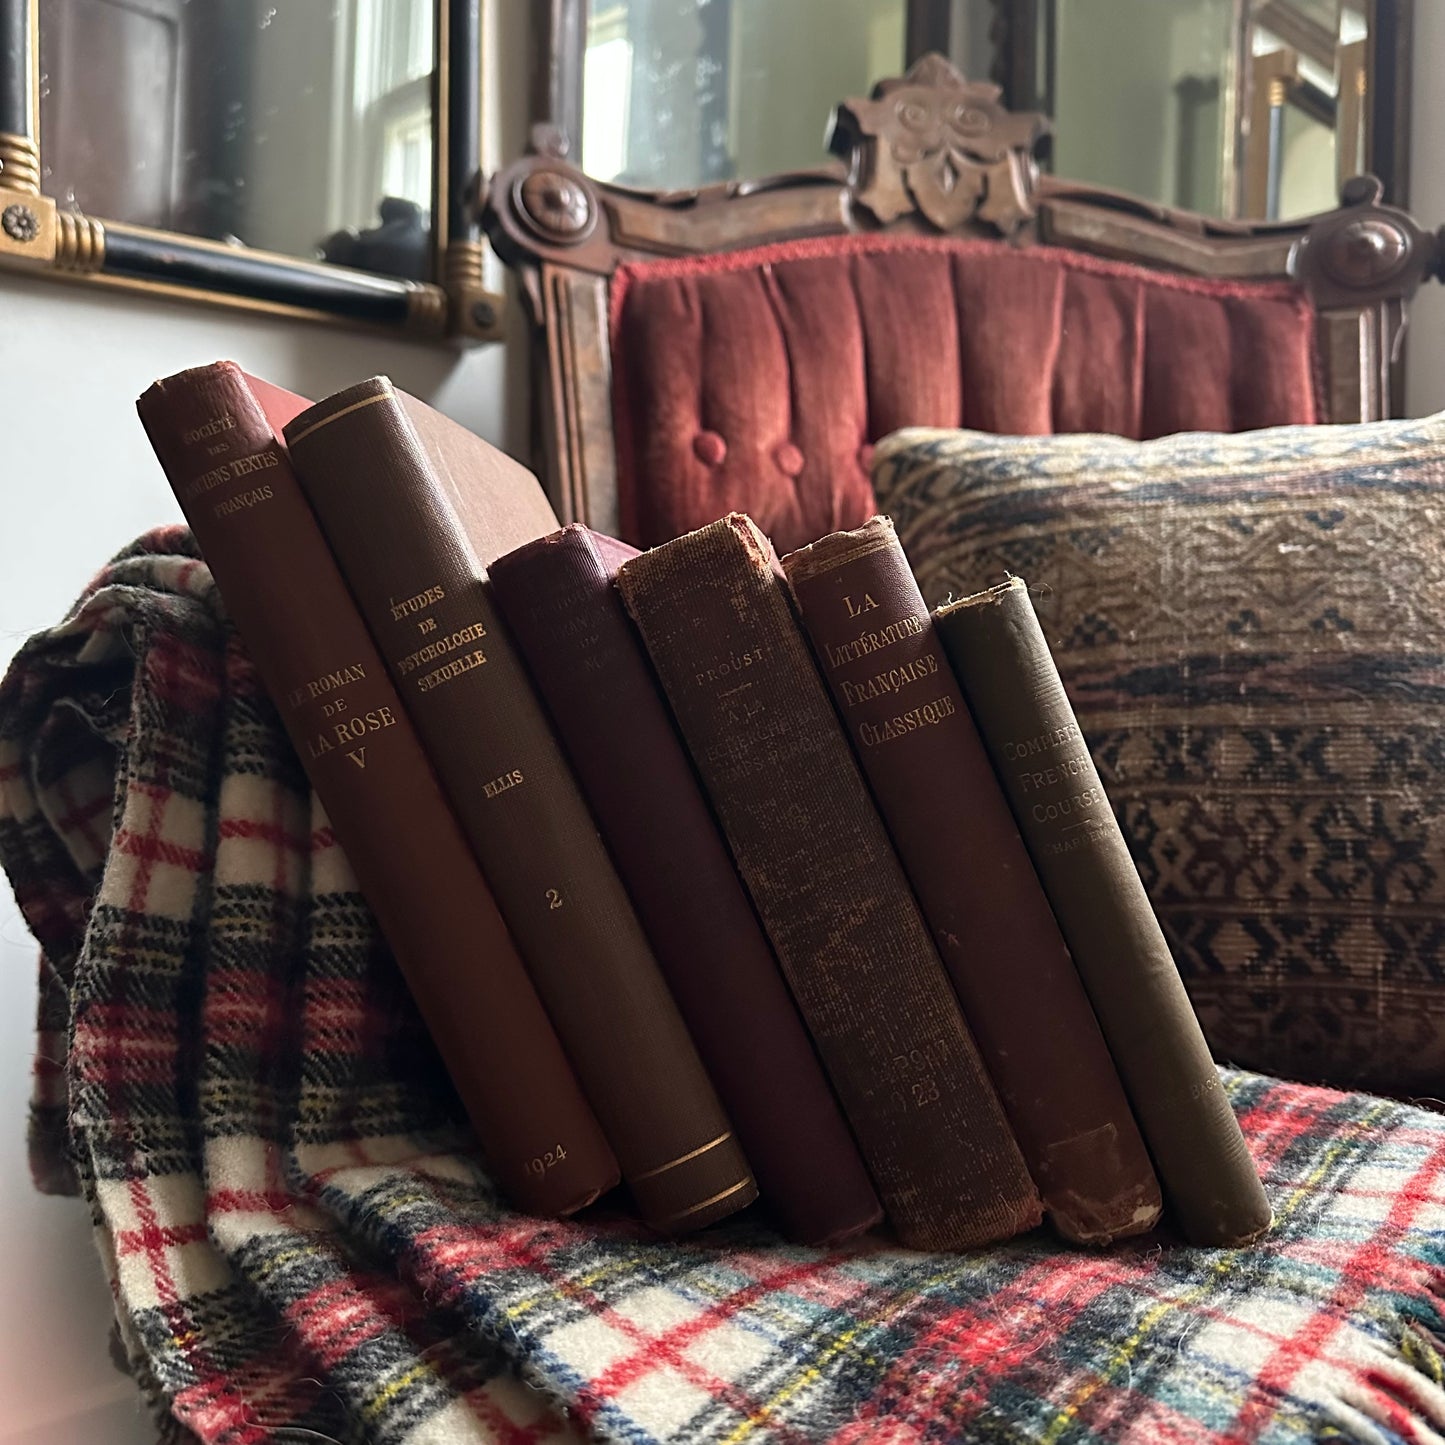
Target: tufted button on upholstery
865 456
709 448
788 458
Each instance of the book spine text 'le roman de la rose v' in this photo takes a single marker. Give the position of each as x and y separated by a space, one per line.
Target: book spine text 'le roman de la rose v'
217 434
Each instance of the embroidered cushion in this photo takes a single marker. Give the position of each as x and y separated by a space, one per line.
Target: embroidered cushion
1252 629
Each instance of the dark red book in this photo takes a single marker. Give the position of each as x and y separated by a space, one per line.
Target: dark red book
976 884
415 508
716 619
564 614
217 433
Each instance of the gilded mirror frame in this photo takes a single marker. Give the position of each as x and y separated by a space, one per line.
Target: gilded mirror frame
40 237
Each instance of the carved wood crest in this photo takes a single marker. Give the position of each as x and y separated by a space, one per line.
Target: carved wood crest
943 147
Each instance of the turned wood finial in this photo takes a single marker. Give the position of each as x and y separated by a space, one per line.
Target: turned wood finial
1365 251
941 146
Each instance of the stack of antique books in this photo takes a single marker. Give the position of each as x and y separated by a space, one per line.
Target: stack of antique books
725 877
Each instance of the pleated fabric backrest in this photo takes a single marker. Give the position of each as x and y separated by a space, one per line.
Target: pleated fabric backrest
759 380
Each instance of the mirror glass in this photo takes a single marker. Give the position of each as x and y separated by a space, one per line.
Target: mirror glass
682 93
283 125
1243 108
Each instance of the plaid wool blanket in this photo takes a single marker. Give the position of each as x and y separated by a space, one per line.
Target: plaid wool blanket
304 1246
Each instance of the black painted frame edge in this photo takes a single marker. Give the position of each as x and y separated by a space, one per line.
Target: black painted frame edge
197 269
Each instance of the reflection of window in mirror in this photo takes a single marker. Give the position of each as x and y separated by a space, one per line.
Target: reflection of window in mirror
387 46
1250 108
680 93
1305 134
1150 116
263 123
607 92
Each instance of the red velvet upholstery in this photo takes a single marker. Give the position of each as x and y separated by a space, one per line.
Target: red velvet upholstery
759 379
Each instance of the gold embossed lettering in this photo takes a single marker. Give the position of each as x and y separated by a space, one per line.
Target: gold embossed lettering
418 602
434 651
873 735
504 783
867 642
217 424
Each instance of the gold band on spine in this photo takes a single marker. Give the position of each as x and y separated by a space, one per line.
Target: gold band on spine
343 411
79 242
19 164
681 1159
704 1204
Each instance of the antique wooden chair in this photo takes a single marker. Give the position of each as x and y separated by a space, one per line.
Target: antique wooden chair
743 345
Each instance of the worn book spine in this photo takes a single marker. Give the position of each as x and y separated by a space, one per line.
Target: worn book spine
384 507
1002 659
557 598
961 849
714 614
216 432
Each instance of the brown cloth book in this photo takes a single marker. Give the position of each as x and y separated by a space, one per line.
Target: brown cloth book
557 598
999 654
415 507
715 616
216 432
961 849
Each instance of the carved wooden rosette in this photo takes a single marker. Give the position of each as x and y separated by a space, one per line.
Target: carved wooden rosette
543 208
943 147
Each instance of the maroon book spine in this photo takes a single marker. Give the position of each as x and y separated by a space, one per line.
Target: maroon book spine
412 505
217 434
564 614
975 882
716 619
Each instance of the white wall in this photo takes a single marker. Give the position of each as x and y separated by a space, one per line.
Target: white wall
77 481
77 477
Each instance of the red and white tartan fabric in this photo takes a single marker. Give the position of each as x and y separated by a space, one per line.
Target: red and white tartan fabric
303 1244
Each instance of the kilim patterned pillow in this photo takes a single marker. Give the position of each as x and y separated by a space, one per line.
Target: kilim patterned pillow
1252 629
